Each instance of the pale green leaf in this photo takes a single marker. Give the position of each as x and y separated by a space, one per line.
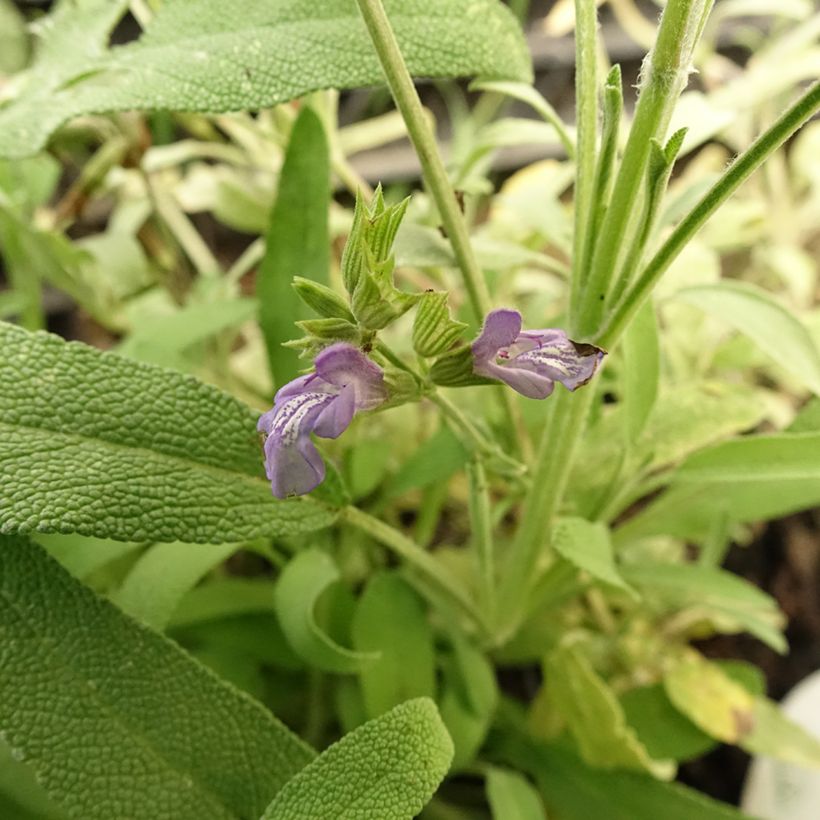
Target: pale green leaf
512 797
594 716
435 460
757 314
100 445
588 546
164 339
297 241
391 621
156 583
752 478
201 55
117 721
709 593
303 580
82 555
387 769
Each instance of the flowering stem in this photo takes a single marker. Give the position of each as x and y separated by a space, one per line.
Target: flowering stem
665 73
421 135
554 459
586 95
434 572
751 159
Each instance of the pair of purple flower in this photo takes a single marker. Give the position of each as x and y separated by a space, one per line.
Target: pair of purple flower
345 381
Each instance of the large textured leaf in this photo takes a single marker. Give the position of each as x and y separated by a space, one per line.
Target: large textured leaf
100 445
207 55
116 720
297 241
388 768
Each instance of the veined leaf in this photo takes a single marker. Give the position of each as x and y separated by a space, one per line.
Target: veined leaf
303 580
388 768
201 55
100 445
756 314
116 720
297 241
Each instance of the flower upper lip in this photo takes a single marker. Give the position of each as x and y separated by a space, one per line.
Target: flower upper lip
323 403
531 361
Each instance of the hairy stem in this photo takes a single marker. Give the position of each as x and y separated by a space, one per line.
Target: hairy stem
421 135
751 159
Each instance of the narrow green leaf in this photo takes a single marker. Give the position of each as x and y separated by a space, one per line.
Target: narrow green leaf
588 546
156 583
594 715
201 55
391 622
388 768
511 797
772 327
100 445
641 369
709 593
117 721
752 478
303 580
297 241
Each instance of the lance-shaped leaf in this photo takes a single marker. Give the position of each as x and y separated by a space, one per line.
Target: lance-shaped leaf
117 721
100 445
203 55
388 768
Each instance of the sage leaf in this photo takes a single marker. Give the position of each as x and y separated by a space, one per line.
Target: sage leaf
116 720
388 768
201 55
100 445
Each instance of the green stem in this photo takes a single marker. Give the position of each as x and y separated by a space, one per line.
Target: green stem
421 135
554 459
665 73
586 95
751 159
482 533
434 572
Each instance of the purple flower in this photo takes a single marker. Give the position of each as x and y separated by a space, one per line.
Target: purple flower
323 403
531 361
